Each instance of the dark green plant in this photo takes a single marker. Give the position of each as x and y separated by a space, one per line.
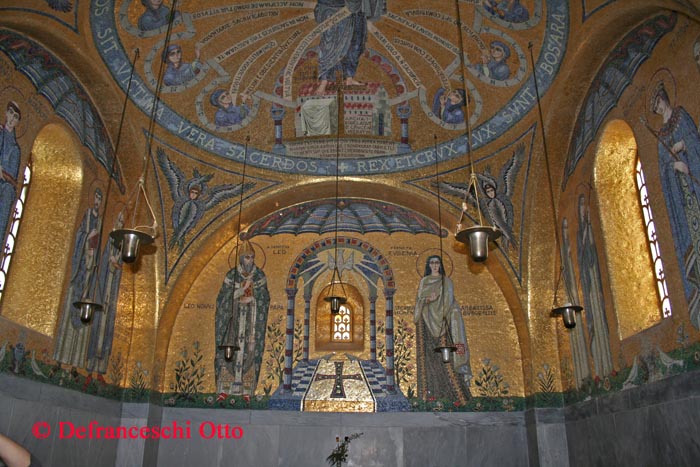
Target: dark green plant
276 340
138 384
340 453
404 343
189 373
545 380
490 381
116 369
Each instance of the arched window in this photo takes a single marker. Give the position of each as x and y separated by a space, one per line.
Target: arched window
340 332
655 252
14 228
31 297
342 325
631 268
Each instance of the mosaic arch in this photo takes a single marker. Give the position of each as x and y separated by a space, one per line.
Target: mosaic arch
68 98
373 267
274 69
614 76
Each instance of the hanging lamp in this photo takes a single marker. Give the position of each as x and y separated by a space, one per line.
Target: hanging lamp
88 305
567 311
334 298
449 346
130 239
228 342
478 236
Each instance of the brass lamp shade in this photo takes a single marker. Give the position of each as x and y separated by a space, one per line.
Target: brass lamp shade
478 238
130 241
335 301
87 309
568 314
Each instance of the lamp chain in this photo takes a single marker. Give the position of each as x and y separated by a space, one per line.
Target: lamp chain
336 271
140 186
549 174
113 167
445 326
467 121
238 239
240 203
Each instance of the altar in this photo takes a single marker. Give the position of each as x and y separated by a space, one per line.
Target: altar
365 111
339 383
338 386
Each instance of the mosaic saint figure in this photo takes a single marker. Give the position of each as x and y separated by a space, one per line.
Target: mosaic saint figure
73 334
343 44
577 338
102 324
592 288
155 16
178 72
241 312
436 303
494 64
679 169
449 106
9 167
227 113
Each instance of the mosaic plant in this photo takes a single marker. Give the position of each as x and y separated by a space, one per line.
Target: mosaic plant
189 374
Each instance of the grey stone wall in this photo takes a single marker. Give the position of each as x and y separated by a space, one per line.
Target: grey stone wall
268 438
23 403
277 438
657 424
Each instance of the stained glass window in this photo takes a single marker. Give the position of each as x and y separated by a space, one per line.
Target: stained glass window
9 248
342 325
661 287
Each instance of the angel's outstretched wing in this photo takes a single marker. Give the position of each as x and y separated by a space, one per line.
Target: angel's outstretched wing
457 189
510 170
173 174
218 193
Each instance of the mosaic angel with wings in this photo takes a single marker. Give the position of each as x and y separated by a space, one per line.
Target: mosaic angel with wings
495 195
192 197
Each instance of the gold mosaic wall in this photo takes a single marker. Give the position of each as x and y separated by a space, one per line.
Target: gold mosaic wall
491 331
506 317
